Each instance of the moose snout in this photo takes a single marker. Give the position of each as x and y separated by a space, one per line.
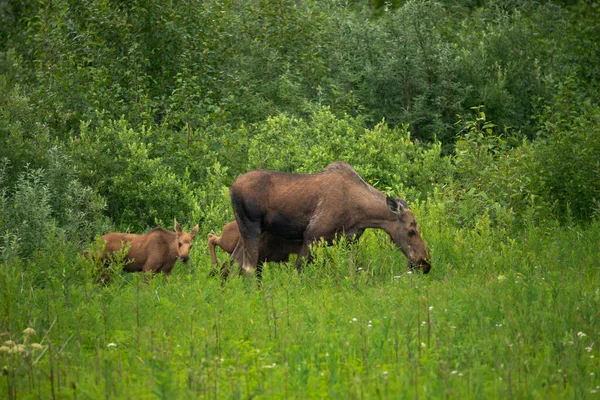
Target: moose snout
184 259
422 265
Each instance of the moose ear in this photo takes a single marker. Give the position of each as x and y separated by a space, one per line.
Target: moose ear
392 204
195 230
396 205
177 226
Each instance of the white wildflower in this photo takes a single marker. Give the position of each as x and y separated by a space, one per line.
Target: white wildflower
29 331
36 346
581 334
111 345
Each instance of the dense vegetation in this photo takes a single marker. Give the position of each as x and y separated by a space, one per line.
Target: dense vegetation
484 115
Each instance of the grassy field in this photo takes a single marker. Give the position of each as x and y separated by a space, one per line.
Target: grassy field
501 315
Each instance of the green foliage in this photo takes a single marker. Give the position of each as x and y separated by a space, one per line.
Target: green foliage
566 157
115 159
420 62
555 176
46 202
386 157
332 332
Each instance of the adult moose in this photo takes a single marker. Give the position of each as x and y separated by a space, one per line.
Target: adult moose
155 251
308 207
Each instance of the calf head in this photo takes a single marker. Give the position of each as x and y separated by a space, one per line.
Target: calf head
405 235
184 241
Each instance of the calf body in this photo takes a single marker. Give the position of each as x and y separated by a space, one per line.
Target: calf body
156 251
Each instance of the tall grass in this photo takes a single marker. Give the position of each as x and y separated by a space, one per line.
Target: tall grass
501 315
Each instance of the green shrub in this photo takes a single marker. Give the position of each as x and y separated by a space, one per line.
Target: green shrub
44 202
566 155
386 157
141 190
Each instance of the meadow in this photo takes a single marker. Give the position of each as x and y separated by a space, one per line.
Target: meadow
499 316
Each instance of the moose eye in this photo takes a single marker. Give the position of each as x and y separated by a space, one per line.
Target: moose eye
180 244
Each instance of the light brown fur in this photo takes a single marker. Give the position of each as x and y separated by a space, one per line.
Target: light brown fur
155 251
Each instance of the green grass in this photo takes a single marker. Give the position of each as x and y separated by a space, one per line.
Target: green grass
500 316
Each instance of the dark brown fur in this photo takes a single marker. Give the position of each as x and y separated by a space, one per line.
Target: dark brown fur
308 207
155 251
271 249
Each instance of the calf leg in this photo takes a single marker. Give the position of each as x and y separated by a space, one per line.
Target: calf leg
152 264
213 240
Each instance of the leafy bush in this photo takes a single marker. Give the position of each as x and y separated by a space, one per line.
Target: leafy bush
555 176
386 157
566 155
44 202
140 189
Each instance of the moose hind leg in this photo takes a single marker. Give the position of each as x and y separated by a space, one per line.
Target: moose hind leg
246 254
303 254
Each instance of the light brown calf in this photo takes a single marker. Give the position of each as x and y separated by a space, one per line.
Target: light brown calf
155 251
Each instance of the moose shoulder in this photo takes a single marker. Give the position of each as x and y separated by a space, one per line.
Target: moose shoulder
308 207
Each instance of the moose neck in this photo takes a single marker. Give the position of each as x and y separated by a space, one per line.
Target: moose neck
374 212
173 244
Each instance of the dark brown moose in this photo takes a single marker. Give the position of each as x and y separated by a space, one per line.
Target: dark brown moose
155 251
308 207
271 248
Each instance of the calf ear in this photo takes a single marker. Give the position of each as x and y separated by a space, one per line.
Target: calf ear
195 230
177 226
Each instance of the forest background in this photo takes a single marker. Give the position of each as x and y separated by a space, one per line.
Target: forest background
121 115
